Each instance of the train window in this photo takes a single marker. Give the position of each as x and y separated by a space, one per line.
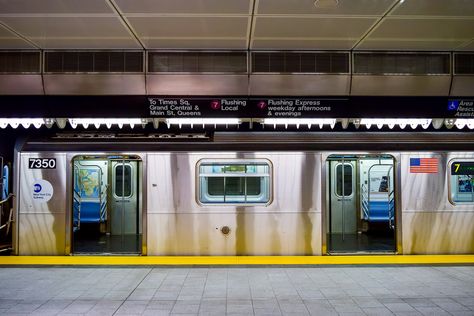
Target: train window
462 181
234 183
347 180
123 180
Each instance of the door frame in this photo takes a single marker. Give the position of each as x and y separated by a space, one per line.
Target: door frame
325 197
142 194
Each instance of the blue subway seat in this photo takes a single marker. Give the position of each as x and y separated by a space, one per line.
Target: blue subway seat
379 211
90 212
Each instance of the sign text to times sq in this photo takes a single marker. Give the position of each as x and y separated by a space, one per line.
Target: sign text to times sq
197 107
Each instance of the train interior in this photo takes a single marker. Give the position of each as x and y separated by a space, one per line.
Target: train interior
360 204
6 211
107 217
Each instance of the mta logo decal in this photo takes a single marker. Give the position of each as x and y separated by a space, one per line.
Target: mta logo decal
37 188
453 105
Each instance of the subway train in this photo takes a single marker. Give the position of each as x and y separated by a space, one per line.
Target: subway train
245 193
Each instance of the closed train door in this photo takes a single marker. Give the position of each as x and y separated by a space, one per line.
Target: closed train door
343 201
106 205
124 199
360 204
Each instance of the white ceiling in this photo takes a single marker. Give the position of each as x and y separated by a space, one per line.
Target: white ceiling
434 25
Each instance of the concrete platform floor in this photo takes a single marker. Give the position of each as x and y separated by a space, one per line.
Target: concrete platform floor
310 290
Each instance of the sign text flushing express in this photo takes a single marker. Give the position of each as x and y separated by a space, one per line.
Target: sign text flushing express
298 107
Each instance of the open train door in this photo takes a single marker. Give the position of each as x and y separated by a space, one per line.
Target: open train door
107 213
360 216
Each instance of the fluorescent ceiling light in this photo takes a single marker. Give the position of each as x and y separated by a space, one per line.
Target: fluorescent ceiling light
97 122
298 122
202 121
25 122
425 123
460 123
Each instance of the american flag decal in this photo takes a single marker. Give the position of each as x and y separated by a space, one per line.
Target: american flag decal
423 165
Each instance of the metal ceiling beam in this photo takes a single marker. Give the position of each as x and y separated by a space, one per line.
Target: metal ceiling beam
376 24
124 20
26 39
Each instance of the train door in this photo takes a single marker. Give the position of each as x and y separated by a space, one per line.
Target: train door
343 202
106 205
360 204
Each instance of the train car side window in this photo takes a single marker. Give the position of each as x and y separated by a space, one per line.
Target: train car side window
347 180
462 181
234 183
123 181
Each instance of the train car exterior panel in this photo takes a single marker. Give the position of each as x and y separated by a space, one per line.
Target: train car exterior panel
42 209
179 224
249 234
42 234
431 223
438 232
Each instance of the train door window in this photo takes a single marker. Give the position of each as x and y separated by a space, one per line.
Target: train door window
123 180
461 182
360 204
234 183
344 180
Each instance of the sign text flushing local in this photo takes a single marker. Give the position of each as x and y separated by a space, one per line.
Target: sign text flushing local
197 107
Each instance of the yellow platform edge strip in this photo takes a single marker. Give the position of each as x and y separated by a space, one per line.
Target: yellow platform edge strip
237 260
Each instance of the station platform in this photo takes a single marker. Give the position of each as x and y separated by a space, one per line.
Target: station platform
238 290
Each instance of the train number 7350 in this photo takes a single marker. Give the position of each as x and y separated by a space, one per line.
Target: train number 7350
42 163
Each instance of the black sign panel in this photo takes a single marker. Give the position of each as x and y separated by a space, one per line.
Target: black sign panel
299 107
141 106
197 107
42 163
462 168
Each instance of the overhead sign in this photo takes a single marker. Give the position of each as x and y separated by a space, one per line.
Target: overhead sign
142 106
461 108
298 107
197 107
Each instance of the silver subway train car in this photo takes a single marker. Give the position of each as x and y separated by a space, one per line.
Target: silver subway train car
246 194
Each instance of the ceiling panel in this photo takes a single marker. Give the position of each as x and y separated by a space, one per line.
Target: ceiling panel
53 6
176 27
311 27
8 40
202 43
88 43
67 32
344 7
303 44
466 46
410 45
435 7
185 6
54 26
13 43
425 29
